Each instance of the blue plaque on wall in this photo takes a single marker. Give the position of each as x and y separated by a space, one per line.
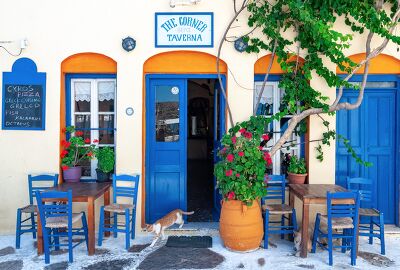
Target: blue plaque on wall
24 97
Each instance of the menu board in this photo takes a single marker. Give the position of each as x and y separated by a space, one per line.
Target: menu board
23 106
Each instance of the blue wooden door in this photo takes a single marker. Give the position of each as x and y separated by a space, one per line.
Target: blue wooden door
371 130
166 143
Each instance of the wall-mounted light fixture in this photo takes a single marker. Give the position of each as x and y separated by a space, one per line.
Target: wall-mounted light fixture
128 44
174 3
23 43
241 45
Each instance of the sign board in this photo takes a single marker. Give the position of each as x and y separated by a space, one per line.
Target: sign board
184 30
23 97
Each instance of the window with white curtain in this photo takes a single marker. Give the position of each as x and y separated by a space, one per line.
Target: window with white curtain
270 104
93 112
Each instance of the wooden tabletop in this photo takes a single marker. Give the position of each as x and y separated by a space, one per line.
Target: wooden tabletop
314 191
82 191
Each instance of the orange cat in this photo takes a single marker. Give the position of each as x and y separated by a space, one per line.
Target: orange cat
173 217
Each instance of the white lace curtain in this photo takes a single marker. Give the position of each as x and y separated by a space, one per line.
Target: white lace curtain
106 91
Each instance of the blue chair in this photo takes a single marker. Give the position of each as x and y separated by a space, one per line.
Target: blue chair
57 219
129 188
340 223
368 211
28 225
276 188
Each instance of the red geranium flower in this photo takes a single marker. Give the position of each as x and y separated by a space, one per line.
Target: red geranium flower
64 167
63 130
265 137
233 139
230 157
231 195
63 153
90 154
78 133
228 172
241 154
242 130
87 140
95 141
248 135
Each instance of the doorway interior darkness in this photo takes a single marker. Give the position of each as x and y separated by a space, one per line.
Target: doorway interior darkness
200 145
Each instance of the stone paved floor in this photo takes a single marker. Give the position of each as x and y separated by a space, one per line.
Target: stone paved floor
113 256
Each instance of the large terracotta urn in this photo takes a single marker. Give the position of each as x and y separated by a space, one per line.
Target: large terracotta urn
295 178
241 226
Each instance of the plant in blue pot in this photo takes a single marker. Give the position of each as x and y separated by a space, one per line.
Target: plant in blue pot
105 163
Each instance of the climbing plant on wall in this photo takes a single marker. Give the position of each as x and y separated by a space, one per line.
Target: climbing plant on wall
307 38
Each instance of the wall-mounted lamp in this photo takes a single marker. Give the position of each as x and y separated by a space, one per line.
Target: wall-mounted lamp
23 43
174 3
241 45
128 44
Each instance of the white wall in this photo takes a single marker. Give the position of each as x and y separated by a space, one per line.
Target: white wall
58 29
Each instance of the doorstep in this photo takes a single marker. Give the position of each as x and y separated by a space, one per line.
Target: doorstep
195 229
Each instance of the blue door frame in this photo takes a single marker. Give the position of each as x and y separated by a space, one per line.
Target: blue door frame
396 141
151 213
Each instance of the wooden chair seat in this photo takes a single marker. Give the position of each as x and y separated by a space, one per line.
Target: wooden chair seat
118 207
338 223
62 222
29 209
277 208
369 212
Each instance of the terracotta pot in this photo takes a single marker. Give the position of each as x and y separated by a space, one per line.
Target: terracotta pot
295 178
241 226
72 175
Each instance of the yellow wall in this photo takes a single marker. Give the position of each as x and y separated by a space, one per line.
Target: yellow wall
56 31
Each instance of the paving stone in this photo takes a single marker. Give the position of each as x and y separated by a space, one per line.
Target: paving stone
306 266
12 265
59 252
110 265
376 259
57 266
7 251
181 258
137 248
102 251
261 261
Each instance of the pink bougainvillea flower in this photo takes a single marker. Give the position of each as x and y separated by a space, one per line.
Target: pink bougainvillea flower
248 135
260 148
230 157
228 172
267 158
231 195
242 130
87 140
265 137
241 154
64 167
233 139
238 175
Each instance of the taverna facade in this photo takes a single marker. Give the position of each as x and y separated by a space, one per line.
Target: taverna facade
159 105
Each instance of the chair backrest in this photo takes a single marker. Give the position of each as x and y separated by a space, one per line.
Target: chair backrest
276 188
343 205
52 208
364 186
128 188
41 183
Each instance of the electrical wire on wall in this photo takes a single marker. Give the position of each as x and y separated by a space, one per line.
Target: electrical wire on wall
21 48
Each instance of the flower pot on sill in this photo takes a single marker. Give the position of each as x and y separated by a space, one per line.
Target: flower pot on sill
241 226
102 176
72 174
295 178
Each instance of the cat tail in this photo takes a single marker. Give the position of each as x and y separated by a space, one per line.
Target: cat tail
187 213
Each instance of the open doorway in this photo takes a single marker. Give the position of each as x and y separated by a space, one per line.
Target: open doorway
200 145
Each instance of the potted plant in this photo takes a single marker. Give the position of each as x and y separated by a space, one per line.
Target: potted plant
105 163
240 177
75 150
297 171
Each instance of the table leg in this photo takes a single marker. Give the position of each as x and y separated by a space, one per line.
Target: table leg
39 236
107 214
304 230
91 237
